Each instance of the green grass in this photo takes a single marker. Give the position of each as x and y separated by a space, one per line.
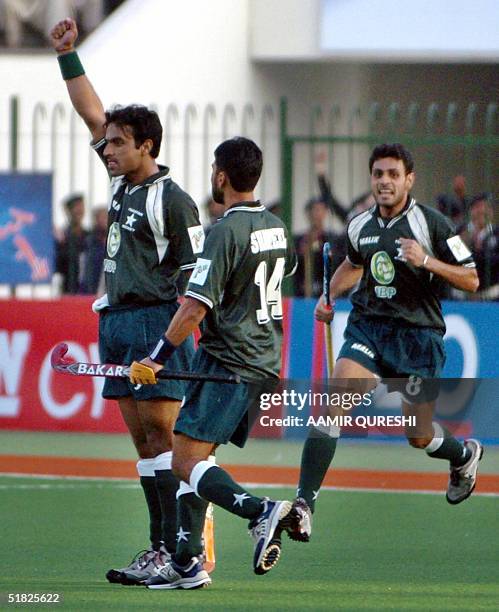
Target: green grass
369 552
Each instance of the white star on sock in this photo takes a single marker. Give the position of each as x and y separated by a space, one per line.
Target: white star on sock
316 495
239 499
182 535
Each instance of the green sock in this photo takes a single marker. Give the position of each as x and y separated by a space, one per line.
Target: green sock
217 486
447 447
317 454
166 486
191 513
152 499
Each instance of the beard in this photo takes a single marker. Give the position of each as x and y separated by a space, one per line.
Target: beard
217 195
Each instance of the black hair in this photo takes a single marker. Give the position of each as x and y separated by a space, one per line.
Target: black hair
143 122
242 161
312 202
479 197
72 199
395 150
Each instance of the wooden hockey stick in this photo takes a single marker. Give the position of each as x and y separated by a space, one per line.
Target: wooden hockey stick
112 370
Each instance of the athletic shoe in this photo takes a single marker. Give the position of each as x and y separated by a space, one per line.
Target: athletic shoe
147 570
300 527
463 479
141 560
275 516
173 576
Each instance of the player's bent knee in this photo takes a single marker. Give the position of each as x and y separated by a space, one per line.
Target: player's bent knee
419 442
180 468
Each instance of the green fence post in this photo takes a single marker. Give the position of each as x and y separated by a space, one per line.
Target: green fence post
14 132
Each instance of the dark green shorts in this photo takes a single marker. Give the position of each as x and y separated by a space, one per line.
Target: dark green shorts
218 412
392 351
131 334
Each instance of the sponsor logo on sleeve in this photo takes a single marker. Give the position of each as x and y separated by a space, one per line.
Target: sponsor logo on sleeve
196 235
198 276
458 248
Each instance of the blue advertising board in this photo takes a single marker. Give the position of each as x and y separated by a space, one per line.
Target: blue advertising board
26 236
469 392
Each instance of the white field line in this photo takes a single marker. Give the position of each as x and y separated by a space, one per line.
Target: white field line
84 482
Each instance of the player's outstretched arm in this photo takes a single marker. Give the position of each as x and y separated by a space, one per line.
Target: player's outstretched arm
83 97
345 277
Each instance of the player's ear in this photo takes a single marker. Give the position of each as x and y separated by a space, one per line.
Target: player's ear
222 179
410 178
146 146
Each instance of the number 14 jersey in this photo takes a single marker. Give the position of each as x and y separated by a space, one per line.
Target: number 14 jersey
238 276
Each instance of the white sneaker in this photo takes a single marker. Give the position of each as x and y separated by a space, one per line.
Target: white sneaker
173 576
462 479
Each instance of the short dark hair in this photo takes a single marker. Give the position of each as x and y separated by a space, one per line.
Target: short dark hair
242 161
144 123
312 202
73 199
395 150
479 198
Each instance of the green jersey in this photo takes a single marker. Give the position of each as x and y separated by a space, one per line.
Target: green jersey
238 276
390 287
153 233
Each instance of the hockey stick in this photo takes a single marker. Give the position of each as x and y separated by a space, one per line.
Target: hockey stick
328 336
112 370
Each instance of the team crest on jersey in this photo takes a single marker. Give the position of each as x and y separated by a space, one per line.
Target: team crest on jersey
113 239
382 268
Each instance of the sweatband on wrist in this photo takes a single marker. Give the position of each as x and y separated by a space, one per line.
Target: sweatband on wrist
425 260
162 351
70 65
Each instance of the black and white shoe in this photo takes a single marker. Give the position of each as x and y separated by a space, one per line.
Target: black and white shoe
173 576
462 479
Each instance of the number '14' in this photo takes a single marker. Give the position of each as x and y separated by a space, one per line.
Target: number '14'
270 293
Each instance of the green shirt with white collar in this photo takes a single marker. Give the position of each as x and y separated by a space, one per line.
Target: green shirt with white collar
153 232
390 287
238 276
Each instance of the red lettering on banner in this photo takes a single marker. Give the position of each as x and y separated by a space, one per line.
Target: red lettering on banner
33 396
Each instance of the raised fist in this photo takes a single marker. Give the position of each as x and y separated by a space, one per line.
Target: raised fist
63 35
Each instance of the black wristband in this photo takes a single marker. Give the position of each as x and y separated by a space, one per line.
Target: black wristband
70 65
162 351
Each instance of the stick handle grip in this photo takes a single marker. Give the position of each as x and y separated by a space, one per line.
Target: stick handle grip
328 270
165 375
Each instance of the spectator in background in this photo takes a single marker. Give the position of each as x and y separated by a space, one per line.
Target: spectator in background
94 254
451 208
213 212
275 208
455 205
481 235
71 245
39 15
459 188
360 204
308 277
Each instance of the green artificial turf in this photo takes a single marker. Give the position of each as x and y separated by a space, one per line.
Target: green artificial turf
370 551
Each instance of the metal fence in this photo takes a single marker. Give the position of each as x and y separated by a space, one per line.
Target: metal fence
445 140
